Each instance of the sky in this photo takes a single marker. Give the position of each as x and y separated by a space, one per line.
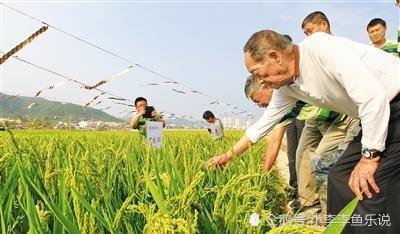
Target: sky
197 43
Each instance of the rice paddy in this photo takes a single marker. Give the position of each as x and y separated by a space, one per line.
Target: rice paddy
112 182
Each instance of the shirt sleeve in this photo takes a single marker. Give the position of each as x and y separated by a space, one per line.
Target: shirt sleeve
339 57
284 123
280 104
398 42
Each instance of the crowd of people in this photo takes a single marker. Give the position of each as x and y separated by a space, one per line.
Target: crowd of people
338 102
348 95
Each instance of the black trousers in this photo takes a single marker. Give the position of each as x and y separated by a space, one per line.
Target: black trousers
381 213
293 134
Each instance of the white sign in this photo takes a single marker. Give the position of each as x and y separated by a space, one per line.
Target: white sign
154 133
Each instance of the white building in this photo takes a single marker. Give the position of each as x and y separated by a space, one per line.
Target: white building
237 123
248 123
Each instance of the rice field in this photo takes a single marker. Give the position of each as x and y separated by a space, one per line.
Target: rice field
112 182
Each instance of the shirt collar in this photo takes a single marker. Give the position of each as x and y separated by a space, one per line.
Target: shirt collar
296 63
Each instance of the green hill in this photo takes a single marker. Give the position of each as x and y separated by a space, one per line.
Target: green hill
51 110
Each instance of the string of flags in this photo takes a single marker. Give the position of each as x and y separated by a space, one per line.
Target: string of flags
167 80
14 96
112 97
93 99
110 78
22 44
81 84
50 87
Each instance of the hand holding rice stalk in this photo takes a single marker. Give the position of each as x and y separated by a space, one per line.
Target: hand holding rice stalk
219 161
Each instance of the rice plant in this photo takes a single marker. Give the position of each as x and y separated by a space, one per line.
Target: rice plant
112 182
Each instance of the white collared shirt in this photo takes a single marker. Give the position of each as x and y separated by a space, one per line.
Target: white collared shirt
343 76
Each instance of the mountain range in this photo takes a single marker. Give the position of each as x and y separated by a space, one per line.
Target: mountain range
21 107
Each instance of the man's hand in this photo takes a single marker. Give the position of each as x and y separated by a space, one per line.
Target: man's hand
154 113
362 175
142 111
218 161
267 165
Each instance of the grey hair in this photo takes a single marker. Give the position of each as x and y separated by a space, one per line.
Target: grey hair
252 85
260 43
315 17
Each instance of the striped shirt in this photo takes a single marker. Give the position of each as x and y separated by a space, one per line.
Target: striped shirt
304 111
391 47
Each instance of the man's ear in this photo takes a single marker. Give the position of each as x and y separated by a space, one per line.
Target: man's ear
274 56
325 25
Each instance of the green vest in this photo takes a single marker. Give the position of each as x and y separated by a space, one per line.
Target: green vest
142 125
391 47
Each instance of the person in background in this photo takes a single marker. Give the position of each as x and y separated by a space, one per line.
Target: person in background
144 113
377 29
216 128
346 77
338 135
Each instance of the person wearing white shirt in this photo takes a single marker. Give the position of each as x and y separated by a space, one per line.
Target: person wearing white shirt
216 128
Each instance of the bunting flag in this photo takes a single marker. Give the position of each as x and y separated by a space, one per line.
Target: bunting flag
118 99
97 103
241 112
93 99
105 108
170 82
163 82
211 103
194 91
120 103
123 112
110 78
30 105
179 91
22 44
87 104
169 115
51 87
149 84
14 96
